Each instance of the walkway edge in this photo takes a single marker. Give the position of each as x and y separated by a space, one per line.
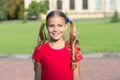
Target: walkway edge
85 55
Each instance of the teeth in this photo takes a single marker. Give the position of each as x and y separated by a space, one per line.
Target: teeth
55 34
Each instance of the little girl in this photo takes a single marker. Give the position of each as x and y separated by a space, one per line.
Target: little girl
56 58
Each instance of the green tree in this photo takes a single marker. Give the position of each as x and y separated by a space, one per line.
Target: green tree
11 9
37 8
43 7
3 9
21 10
16 9
115 17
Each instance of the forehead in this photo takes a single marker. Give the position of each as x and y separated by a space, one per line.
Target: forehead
56 19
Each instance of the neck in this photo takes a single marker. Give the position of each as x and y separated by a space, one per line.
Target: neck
57 44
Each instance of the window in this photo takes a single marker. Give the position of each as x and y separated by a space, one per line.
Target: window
98 4
85 4
59 4
112 4
72 4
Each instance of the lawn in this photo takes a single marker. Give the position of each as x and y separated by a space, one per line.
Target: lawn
20 38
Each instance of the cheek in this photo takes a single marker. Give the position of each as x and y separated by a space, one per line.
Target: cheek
50 29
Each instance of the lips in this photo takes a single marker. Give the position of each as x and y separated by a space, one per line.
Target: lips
56 34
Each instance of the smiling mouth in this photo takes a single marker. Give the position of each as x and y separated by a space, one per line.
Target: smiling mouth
56 34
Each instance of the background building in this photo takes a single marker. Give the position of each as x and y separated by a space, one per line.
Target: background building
83 8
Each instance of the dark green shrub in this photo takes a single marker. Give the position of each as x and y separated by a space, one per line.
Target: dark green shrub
24 20
115 17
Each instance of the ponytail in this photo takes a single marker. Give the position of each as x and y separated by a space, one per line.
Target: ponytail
74 44
42 35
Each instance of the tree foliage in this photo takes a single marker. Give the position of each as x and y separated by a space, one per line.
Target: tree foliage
42 7
37 8
16 9
33 9
11 9
3 9
115 17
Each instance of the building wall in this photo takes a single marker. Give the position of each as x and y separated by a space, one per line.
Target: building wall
95 9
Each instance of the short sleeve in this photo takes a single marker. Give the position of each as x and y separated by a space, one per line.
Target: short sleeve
78 54
36 54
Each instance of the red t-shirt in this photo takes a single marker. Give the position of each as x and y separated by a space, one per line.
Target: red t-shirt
55 63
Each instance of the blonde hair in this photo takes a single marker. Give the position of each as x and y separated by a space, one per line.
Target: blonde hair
74 43
42 35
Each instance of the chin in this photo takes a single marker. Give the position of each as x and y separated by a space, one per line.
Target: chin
56 38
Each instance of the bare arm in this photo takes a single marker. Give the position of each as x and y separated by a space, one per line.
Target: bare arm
38 70
76 72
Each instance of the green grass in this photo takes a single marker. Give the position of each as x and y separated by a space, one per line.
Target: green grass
99 36
17 37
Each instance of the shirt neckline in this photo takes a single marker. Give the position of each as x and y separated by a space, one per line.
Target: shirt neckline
55 49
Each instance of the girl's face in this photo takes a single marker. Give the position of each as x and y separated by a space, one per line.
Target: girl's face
56 27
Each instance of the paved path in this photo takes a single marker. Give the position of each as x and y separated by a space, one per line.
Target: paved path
100 69
91 68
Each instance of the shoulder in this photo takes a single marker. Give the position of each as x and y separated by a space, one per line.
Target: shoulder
38 52
41 47
77 50
69 47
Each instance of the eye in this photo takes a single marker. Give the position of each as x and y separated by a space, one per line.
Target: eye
60 25
50 25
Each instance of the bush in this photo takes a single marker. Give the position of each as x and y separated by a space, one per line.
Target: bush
24 20
31 16
115 17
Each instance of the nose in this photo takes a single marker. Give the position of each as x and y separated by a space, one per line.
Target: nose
55 28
